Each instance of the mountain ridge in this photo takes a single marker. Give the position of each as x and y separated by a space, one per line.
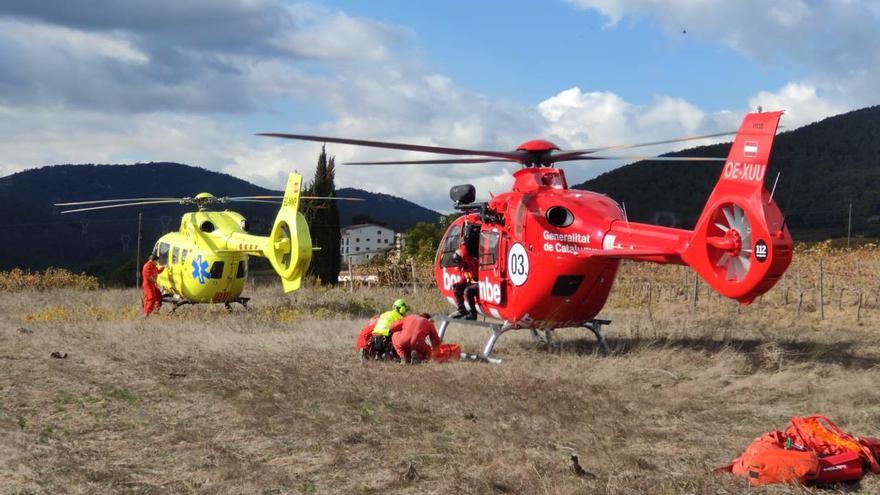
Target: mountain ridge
823 167
101 241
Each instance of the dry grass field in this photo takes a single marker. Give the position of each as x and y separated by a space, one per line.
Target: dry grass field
274 401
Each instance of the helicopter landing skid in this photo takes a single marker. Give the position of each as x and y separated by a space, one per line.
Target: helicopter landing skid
175 302
546 339
496 328
178 302
594 326
240 300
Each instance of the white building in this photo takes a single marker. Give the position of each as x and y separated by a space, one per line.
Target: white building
362 242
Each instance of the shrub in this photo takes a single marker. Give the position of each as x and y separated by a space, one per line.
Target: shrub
17 280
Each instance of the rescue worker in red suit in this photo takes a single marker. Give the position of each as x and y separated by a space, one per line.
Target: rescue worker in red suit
364 337
380 340
152 295
408 337
466 287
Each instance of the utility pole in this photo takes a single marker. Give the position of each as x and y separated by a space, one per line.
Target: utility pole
821 289
849 226
137 261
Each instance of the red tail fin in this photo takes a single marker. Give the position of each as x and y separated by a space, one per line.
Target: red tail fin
740 244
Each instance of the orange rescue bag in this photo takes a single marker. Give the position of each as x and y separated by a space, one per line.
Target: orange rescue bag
822 436
445 352
766 461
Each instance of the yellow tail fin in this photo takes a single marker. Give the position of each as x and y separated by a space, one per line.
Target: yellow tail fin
289 249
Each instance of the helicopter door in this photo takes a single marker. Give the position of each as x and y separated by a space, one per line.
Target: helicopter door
221 276
472 239
489 241
490 280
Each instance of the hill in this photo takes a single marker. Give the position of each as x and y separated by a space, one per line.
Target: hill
104 242
824 167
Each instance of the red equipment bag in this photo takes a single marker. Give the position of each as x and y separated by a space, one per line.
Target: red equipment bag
822 436
839 468
873 444
445 352
767 461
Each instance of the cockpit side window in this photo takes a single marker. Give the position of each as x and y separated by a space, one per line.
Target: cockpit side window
489 248
217 269
163 253
242 269
449 245
175 255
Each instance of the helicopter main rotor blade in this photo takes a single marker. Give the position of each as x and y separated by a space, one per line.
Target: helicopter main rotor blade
141 203
450 161
267 201
638 158
565 154
510 155
103 201
235 198
332 198
239 198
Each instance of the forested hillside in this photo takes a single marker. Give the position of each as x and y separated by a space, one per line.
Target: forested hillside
103 242
824 167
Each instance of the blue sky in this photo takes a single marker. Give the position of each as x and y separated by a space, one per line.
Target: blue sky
162 80
528 50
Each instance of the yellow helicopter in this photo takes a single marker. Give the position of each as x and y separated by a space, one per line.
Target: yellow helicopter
207 258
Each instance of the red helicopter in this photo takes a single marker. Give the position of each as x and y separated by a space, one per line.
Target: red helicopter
548 255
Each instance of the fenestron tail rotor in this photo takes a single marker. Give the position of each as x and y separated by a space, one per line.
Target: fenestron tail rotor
740 246
732 242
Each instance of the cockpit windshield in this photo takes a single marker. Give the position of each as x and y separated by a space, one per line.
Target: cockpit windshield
556 181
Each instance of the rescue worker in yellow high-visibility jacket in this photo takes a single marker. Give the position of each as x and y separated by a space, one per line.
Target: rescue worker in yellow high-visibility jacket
380 343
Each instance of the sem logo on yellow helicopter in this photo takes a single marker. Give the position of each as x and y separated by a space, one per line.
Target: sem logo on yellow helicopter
207 258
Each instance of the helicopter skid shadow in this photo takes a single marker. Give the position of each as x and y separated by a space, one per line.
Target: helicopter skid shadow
844 353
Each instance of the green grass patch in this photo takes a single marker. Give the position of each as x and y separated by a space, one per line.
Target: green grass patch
125 395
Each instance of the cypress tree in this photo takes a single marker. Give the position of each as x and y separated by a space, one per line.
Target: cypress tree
323 219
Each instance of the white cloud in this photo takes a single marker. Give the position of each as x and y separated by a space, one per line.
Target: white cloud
603 118
175 86
834 43
337 36
73 43
54 135
801 104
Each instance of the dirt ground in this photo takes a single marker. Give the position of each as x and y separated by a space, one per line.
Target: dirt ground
273 400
